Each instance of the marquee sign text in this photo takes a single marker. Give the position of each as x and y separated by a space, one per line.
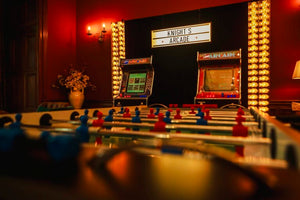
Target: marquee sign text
182 35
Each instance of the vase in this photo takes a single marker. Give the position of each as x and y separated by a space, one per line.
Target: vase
76 98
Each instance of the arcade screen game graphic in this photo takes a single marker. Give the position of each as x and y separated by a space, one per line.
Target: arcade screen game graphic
219 77
137 82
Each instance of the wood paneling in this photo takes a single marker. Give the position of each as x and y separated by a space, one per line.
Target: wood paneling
21 55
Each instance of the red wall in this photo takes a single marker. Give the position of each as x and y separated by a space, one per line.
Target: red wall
69 43
61 45
285 49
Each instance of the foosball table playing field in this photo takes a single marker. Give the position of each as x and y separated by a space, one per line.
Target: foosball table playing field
137 152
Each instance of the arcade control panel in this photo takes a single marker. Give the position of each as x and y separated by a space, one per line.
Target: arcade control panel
137 82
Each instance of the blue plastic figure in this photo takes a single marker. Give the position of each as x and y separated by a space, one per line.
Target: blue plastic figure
136 119
199 112
45 135
82 132
121 110
17 123
86 112
7 138
167 119
201 121
61 147
157 111
109 117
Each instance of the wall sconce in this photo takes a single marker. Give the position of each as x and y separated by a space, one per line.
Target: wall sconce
102 34
296 74
89 31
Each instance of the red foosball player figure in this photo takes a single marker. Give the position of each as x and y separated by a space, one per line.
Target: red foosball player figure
240 114
240 111
177 116
151 115
239 130
207 116
98 123
160 126
127 113
192 110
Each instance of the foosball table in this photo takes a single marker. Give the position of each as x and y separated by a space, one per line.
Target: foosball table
137 152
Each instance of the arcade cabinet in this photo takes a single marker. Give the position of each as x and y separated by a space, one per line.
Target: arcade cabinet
219 78
137 82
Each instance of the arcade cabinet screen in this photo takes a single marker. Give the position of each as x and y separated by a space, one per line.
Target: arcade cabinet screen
219 79
136 83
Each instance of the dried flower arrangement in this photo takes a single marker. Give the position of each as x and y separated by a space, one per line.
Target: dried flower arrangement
73 78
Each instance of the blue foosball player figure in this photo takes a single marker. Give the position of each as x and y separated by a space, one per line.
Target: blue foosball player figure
121 110
61 147
136 119
86 112
201 121
157 111
7 139
199 112
17 123
109 117
167 119
82 132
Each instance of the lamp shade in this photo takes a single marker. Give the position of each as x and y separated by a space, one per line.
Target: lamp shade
296 74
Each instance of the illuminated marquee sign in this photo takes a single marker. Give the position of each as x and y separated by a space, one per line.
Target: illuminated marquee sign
198 33
136 61
220 55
